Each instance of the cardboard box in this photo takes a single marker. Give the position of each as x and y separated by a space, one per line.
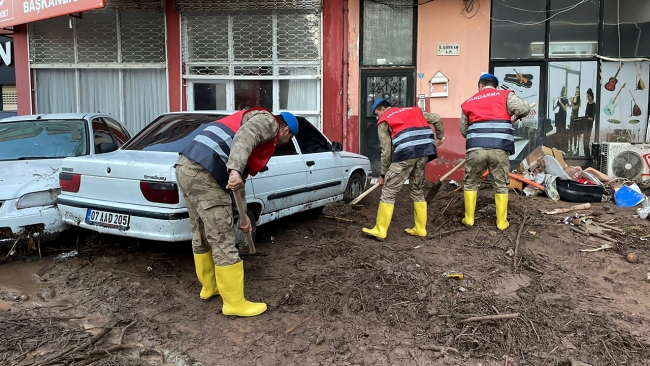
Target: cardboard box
534 162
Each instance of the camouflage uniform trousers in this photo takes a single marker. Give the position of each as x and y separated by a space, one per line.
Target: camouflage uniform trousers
398 173
496 161
210 210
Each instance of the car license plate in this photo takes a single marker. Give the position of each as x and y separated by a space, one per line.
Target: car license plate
108 219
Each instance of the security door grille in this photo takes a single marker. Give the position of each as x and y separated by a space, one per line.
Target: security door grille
240 59
207 5
110 60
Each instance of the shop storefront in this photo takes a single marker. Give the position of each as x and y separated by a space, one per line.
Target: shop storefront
414 53
137 59
330 59
110 60
585 63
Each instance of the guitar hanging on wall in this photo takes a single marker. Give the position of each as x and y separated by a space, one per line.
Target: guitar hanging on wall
611 84
611 106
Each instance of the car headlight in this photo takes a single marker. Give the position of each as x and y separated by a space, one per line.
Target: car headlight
42 198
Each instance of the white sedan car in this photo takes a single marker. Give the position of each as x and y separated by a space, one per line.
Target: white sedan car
133 191
31 151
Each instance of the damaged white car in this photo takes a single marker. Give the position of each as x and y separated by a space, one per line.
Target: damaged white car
133 191
31 151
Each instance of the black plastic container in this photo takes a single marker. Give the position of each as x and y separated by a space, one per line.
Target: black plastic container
575 192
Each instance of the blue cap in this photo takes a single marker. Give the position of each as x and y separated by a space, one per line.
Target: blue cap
291 121
376 103
488 76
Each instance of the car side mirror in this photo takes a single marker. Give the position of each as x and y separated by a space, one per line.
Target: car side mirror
336 146
106 147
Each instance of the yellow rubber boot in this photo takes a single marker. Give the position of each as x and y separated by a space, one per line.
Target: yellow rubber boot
205 272
501 201
420 214
230 280
384 215
470 206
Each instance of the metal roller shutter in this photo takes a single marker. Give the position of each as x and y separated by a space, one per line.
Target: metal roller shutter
226 5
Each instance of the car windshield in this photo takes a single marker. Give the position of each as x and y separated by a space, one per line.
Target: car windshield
170 133
42 139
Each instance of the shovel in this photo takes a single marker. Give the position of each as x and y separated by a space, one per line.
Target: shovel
436 187
243 218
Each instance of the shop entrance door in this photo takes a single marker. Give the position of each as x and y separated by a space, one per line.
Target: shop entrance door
397 86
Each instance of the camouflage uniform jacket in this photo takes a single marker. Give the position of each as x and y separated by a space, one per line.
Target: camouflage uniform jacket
257 128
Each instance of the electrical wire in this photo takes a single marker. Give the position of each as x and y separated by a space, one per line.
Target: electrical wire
539 22
532 11
391 4
468 7
620 59
618 28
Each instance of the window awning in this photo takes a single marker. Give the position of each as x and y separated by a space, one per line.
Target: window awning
14 12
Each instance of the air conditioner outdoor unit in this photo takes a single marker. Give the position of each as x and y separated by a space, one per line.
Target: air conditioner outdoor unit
564 49
624 160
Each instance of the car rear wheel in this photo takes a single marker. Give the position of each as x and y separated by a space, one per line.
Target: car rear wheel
354 188
240 238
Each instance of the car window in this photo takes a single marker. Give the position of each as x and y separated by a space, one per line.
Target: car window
288 149
310 140
170 133
100 133
42 139
118 132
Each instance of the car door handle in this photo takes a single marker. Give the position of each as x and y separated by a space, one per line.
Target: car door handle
264 169
310 163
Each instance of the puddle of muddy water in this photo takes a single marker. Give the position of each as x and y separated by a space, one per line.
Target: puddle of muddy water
21 278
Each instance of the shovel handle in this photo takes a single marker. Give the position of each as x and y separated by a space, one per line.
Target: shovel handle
532 105
356 200
243 218
527 181
462 162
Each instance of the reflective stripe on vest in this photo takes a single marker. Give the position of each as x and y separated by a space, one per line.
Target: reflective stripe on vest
414 142
410 132
491 135
211 148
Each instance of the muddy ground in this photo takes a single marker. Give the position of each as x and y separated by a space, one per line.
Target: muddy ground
337 297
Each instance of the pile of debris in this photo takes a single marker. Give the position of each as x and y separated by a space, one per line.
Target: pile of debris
545 172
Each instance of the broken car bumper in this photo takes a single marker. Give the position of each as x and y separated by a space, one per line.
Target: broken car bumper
16 224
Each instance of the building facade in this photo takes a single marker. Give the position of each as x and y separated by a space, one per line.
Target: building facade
328 60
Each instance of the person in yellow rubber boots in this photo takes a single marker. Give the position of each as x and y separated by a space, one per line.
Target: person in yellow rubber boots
407 145
486 124
235 146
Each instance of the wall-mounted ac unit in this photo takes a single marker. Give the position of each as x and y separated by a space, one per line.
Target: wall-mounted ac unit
624 160
564 49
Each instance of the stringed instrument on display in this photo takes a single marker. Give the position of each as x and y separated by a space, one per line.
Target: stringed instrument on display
611 106
636 111
521 78
611 84
640 85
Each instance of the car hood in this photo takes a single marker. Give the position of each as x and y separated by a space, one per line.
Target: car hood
25 176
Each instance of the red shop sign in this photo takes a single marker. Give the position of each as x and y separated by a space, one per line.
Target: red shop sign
14 12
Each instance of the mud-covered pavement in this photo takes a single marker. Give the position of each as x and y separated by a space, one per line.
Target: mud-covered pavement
337 297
